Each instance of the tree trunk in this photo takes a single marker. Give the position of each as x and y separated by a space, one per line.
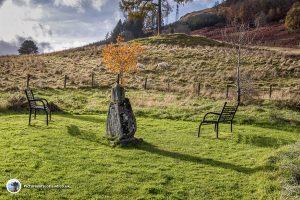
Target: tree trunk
159 18
120 78
238 80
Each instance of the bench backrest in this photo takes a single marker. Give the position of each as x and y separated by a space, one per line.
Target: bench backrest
30 97
228 113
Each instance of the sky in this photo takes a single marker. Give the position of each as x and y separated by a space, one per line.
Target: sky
61 24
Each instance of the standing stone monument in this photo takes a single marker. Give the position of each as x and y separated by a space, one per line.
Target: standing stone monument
121 124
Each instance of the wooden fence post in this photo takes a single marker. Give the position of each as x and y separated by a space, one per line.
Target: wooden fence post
28 80
198 89
145 85
65 82
270 91
227 91
93 79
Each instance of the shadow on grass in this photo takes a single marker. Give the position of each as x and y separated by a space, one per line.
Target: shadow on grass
262 141
90 118
74 131
205 161
275 122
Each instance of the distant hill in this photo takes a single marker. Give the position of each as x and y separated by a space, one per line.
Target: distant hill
272 35
247 11
264 16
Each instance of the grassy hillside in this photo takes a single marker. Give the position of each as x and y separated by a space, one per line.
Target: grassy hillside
180 60
172 163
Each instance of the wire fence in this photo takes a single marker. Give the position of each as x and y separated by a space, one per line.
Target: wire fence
227 91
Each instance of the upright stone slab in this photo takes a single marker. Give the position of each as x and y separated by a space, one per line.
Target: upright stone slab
121 124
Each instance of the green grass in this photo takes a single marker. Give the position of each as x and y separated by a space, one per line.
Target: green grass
178 39
172 163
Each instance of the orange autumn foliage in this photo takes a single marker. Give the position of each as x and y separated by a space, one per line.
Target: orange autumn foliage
121 57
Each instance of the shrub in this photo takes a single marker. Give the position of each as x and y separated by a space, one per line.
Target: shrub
260 20
182 28
290 169
292 20
122 57
291 103
204 20
16 101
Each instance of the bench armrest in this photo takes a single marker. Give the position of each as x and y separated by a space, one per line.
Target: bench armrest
210 113
39 100
42 99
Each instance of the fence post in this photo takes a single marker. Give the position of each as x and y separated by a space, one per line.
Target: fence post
198 89
28 80
145 85
93 79
168 86
227 91
65 81
270 91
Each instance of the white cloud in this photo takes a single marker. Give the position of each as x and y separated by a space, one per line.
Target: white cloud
40 22
77 4
98 4
21 21
80 4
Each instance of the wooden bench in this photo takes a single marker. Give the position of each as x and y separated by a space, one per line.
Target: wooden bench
225 116
33 106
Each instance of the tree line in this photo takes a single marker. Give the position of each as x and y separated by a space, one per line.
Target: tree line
259 12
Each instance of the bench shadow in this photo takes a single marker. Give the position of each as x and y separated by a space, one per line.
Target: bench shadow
91 118
263 141
74 131
205 161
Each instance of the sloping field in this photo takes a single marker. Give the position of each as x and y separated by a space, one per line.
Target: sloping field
176 61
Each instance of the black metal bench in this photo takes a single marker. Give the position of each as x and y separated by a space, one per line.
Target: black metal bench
33 106
225 116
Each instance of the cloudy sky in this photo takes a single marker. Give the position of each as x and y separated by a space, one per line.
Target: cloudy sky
60 24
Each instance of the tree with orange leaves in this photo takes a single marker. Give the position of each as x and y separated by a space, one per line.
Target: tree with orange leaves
121 57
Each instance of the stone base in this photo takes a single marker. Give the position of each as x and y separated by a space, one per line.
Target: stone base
129 141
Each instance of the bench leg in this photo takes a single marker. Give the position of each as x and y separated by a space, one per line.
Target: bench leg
34 114
47 118
217 131
29 117
50 114
231 126
199 129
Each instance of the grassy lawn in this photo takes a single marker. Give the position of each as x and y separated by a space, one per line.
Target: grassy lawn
172 163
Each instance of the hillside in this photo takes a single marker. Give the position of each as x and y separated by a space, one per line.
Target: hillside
272 35
174 67
266 19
